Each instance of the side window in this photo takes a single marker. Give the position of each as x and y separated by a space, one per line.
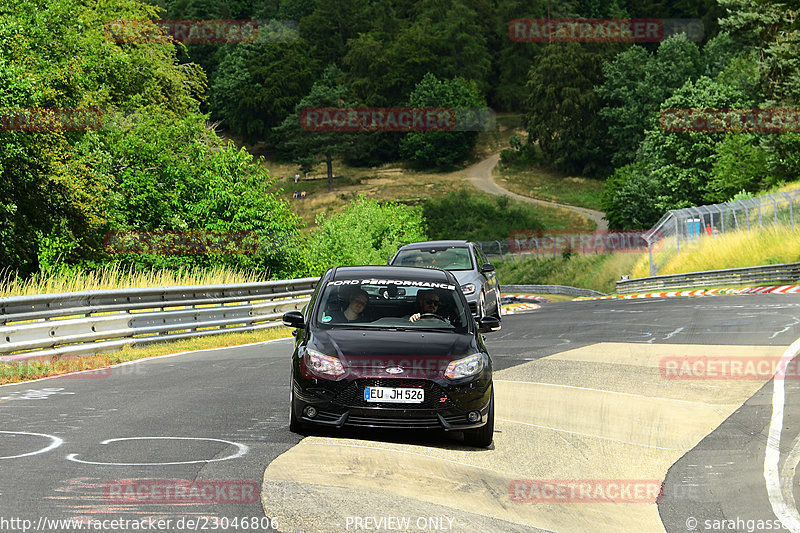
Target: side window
479 257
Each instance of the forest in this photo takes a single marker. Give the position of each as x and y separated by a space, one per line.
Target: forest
161 160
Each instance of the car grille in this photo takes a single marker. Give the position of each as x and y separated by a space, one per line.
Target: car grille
399 423
473 308
353 395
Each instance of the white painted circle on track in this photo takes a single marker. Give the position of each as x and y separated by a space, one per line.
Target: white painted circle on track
56 442
242 450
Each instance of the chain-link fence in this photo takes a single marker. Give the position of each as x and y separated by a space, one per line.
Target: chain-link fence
683 227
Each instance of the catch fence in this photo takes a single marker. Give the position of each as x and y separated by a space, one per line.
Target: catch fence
680 228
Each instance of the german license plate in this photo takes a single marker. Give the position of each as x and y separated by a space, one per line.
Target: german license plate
393 395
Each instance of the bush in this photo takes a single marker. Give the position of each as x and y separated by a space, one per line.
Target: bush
366 233
462 215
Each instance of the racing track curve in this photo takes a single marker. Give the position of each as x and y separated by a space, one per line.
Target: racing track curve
580 396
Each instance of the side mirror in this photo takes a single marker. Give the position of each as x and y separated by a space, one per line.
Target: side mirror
294 319
487 267
488 324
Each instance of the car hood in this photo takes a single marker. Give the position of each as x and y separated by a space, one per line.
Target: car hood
465 276
402 354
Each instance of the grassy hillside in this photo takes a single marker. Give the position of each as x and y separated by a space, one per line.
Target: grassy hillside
598 272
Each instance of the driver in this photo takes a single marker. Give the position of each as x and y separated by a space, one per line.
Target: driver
428 302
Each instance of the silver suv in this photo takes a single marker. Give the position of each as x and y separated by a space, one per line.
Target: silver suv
466 261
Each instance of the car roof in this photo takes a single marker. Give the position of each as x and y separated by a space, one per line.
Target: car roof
389 272
433 244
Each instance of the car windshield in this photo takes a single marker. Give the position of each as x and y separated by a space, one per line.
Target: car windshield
446 258
392 304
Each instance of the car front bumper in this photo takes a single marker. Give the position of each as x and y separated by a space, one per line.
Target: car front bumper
446 406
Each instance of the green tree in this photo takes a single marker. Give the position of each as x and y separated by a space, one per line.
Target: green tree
448 37
258 85
307 147
629 198
741 165
635 85
171 173
441 149
563 106
682 161
62 57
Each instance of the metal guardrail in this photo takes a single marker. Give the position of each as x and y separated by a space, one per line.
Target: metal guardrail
783 273
42 326
551 289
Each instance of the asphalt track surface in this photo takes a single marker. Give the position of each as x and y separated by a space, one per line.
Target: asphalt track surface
581 396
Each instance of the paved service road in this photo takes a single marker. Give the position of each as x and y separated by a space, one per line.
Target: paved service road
586 410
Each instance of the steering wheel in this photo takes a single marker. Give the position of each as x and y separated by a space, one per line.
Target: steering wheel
432 315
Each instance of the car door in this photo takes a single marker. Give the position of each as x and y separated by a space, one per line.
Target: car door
492 285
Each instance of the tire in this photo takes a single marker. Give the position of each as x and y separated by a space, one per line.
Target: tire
481 307
498 313
482 437
295 425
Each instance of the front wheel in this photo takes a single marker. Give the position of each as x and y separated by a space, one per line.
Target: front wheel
295 424
482 437
498 314
481 307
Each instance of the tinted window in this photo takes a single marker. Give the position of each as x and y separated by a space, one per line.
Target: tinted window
447 258
390 305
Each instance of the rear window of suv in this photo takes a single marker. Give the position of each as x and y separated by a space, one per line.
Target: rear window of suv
446 258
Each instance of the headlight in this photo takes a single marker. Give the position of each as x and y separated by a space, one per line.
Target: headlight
469 366
469 288
324 365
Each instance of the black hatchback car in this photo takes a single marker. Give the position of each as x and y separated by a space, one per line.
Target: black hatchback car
391 347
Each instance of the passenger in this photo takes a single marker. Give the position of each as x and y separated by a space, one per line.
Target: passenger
357 304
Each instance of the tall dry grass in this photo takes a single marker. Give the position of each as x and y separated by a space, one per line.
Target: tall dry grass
766 246
116 277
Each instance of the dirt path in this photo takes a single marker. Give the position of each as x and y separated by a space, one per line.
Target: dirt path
480 175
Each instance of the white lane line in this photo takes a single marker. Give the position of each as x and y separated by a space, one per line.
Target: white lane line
598 390
788 469
242 450
673 333
787 328
594 436
784 510
56 442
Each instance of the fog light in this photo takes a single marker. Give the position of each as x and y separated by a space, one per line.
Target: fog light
310 411
474 416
